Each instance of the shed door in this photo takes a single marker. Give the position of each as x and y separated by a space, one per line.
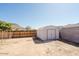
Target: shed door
51 34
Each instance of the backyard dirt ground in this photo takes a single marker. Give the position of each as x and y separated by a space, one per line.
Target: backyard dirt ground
33 47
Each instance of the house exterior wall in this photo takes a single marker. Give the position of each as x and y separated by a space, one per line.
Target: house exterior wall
70 34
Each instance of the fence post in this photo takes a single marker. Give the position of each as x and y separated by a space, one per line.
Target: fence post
10 34
2 37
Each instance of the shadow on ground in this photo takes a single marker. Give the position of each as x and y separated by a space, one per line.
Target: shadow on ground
69 42
39 41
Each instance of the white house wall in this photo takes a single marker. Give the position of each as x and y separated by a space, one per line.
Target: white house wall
70 34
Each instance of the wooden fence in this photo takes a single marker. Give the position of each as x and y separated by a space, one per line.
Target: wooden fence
17 34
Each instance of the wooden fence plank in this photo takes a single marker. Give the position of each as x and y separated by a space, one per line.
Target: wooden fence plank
17 34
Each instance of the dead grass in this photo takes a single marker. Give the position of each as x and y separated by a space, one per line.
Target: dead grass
27 46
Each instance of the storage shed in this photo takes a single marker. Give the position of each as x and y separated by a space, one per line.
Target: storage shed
48 32
70 34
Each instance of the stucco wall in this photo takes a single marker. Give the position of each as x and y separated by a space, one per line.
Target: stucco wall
70 34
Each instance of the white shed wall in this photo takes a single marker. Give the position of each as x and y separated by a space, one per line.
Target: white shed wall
57 33
43 33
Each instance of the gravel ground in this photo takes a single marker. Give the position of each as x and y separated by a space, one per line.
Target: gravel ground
31 47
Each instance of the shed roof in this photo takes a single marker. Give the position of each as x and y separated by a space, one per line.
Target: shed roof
50 27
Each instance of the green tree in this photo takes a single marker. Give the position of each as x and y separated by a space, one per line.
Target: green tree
5 26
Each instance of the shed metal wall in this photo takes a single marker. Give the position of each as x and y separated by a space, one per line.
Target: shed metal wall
43 34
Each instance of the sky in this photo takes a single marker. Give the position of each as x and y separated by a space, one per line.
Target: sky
40 14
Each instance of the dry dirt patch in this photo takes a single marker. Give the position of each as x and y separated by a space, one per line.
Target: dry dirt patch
26 46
